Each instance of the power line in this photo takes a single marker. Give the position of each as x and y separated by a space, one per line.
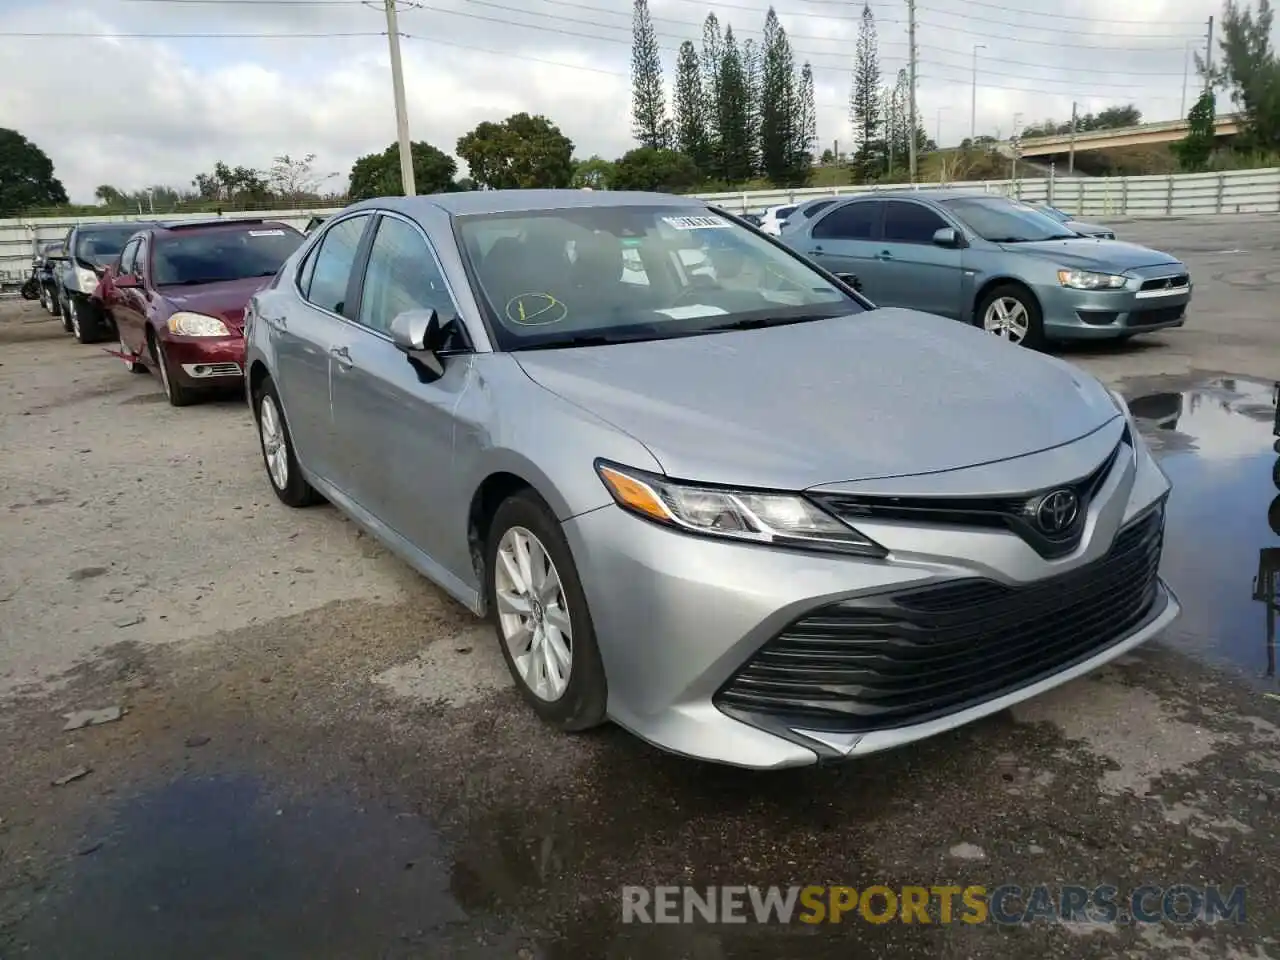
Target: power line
1020 13
188 36
1049 28
1060 44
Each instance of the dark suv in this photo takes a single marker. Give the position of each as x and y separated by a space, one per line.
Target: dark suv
90 249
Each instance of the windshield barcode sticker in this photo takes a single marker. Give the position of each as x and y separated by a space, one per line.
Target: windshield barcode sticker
266 233
697 223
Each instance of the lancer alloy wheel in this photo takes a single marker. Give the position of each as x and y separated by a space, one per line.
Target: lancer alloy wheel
532 614
1011 313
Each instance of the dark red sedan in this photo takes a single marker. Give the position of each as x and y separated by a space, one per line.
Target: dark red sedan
176 298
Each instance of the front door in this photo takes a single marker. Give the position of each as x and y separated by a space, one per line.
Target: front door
843 241
396 425
913 271
125 305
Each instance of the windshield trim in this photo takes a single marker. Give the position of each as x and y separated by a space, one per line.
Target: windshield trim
498 338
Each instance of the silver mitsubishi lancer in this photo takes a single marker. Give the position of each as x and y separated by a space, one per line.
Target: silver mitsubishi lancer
700 486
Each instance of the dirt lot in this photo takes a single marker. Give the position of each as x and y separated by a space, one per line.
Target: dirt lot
321 756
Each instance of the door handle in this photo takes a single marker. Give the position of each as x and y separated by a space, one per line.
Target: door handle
342 355
817 249
884 255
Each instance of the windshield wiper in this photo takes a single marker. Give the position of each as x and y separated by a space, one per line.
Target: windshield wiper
755 323
585 340
197 282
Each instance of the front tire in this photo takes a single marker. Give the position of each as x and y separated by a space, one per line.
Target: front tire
64 311
179 394
541 616
277 450
135 366
1010 312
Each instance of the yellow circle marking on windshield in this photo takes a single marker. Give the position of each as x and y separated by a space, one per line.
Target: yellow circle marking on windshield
535 310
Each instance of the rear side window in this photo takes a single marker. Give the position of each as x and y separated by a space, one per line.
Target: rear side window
906 222
331 263
812 209
783 212
854 221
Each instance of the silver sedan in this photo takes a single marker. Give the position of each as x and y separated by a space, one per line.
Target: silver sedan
700 486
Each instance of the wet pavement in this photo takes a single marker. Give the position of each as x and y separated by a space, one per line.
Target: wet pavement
356 779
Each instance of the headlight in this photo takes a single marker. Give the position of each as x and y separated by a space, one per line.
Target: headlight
197 325
778 519
86 279
1086 280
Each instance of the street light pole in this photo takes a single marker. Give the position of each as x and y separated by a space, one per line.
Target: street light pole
973 109
402 116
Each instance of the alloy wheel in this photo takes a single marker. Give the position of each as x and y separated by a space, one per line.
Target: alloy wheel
75 317
533 614
274 448
1007 318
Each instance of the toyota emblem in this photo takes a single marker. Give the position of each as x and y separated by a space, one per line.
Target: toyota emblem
1057 511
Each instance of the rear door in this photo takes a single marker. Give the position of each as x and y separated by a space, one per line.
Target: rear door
124 305
912 270
843 241
396 427
312 327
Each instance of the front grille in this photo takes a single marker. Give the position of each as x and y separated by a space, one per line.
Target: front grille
1167 283
1014 512
897 659
1140 318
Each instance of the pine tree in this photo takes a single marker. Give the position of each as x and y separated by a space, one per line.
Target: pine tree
712 55
735 142
751 68
648 100
806 128
777 102
864 99
692 137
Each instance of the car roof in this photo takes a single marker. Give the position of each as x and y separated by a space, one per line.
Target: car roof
182 227
468 202
930 194
115 226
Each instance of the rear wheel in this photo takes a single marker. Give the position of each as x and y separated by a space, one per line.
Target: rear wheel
277 450
64 310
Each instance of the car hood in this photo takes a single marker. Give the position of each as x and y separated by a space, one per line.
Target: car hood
225 300
886 393
1087 253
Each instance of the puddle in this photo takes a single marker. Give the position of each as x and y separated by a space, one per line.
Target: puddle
1222 549
227 861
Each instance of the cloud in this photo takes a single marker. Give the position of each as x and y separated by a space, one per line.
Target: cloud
134 112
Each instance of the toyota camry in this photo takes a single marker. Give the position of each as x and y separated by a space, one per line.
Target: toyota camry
734 508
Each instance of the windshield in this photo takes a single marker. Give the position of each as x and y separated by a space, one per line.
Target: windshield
219 255
1003 221
604 274
102 247
1055 213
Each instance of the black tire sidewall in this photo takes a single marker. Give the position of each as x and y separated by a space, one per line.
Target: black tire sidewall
297 492
1035 338
583 703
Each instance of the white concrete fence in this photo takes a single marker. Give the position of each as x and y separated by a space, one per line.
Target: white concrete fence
1093 198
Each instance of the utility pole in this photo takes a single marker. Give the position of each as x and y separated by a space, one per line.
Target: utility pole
1186 72
973 109
1071 155
912 124
893 129
1015 143
937 140
402 115
1208 58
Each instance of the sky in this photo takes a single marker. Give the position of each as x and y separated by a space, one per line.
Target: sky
109 107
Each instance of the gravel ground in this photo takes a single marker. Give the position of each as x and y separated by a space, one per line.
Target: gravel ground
319 755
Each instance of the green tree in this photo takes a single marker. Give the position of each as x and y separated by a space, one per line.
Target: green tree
806 128
109 196
645 168
1249 71
866 112
733 122
777 103
296 179
240 186
522 151
378 174
648 100
691 135
712 62
595 172
753 75
1194 150
26 175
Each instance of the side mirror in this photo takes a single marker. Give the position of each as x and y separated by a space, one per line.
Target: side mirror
420 336
850 279
946 237
124 281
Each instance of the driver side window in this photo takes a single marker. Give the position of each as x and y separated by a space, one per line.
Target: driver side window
129 259
402 275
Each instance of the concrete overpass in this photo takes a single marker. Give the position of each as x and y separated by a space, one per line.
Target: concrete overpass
1165 132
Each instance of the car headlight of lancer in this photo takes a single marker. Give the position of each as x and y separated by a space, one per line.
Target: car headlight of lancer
775 519
186 324
1088 280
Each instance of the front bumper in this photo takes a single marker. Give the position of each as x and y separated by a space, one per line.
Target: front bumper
1105 314
681 619
206 361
